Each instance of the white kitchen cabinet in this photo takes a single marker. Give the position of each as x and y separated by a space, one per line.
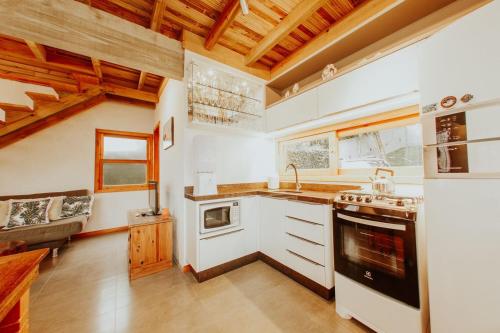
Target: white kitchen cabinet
388 77
272 230
296 110
463 58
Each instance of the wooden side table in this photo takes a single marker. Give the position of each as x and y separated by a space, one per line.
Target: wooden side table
17 273
150 244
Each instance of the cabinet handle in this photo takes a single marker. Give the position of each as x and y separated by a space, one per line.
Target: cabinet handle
302 220
304 258
225 233
306 240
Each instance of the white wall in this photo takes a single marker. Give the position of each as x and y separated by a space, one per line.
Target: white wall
62 157
240 157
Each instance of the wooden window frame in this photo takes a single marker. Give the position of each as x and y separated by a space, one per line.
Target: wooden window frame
100 134
395 118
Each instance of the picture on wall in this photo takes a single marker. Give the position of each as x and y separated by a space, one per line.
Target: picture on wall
168 134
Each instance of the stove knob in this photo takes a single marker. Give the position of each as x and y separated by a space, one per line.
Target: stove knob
368 199
343 197
400 203
351 198
359 198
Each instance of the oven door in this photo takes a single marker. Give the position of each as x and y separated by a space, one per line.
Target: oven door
379 252
218 216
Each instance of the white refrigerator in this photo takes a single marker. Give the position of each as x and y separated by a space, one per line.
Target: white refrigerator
462 172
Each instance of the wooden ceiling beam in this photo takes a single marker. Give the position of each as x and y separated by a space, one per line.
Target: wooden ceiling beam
219 53
157 16
38 50
297 16
117 90
96 64
162 86
142 80
361 16
101 35
231 10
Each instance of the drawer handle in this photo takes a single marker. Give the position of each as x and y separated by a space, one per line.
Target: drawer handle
223 234
306 240
302 220
304 258
306 203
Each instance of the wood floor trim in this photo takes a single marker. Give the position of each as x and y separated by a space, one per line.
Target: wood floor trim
248 259
296 276
99 232
225 267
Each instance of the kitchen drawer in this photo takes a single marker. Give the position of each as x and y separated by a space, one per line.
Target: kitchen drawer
307 230
305 248
306 267
305 211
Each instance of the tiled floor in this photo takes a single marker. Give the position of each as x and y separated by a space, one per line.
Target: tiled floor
87 289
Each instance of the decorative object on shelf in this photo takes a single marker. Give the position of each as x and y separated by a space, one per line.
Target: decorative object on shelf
329 72
168 134
296 88
287 93
430 108
448 102
216 97
467 98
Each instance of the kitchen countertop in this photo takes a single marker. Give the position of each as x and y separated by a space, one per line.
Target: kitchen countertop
314 193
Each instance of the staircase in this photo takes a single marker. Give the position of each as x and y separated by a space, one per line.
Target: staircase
21 121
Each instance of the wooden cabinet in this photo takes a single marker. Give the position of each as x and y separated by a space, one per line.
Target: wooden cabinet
296 110
150 244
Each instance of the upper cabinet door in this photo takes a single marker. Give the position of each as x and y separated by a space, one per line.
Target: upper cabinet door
293 111
463 58
388 77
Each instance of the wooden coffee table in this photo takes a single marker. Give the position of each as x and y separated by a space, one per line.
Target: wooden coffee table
12 247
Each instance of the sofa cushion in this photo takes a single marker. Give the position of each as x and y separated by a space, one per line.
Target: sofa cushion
4 213
74 206
28 212
42 233
56 208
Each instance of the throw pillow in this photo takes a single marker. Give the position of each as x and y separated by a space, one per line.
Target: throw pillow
56 208
74 206
4 213
28 212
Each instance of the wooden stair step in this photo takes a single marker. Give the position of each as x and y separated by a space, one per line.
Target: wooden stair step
15 112
41 99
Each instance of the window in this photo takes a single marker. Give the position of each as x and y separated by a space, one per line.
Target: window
356 148
312 155
392 147
124 161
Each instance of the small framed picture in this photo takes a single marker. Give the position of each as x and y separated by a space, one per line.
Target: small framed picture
168 134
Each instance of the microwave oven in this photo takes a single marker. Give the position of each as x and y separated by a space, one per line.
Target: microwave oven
219 215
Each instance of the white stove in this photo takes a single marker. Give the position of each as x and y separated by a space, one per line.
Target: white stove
387 201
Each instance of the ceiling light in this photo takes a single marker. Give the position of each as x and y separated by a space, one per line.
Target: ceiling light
244 7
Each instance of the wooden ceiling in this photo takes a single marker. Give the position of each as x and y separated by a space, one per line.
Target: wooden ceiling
259 35
271 32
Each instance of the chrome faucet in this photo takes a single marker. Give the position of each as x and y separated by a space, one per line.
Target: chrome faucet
297 184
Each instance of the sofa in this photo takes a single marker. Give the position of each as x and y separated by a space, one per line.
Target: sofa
52 235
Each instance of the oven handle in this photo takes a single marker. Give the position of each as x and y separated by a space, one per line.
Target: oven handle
384 225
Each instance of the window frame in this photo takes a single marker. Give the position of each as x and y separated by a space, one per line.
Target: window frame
332 138
100 134
392 119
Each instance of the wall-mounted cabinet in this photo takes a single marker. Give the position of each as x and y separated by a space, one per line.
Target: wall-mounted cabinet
461 59
301 108
389 77
386 78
